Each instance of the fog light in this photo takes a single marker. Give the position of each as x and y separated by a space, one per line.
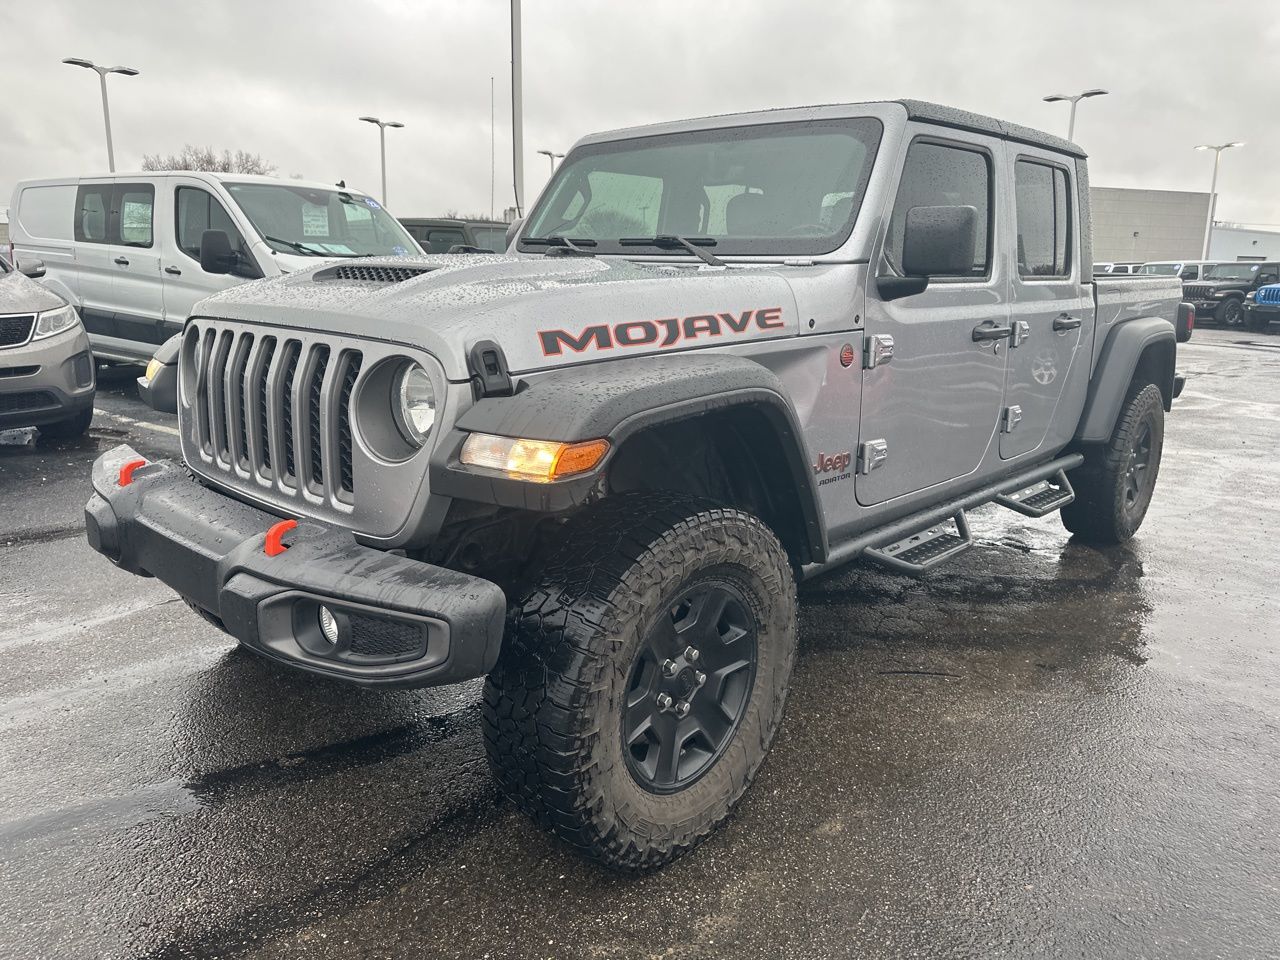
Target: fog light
328 625
152 369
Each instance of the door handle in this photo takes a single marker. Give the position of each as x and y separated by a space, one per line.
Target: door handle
123 261
990 330
1066 322
173 270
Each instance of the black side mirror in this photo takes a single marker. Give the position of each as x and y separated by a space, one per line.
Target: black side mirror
939 241
216 255
513 229
32 268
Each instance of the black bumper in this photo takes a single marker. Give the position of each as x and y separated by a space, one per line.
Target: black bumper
400 622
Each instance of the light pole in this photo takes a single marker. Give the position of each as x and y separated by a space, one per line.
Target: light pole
382 144
1213 190
1071 124
106 111
553 157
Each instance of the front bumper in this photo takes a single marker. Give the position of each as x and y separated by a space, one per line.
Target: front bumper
1259 310
401 622
45 381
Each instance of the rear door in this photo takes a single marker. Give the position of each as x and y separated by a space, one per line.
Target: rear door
1050 307
137 291
95 273
929 414
195 210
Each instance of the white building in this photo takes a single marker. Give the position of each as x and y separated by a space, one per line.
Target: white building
1147 224
1236 241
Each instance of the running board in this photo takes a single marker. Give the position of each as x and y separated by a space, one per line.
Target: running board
1040 499
924 549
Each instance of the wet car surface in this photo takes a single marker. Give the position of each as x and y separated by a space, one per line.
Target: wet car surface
1042 749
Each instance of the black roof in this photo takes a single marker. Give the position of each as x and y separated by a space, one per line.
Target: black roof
977 123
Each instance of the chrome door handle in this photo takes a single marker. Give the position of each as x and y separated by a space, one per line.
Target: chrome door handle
990 330
1065 321
123 261
173 270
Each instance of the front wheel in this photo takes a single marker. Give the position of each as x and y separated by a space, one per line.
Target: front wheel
1229 312
1257 321
70 428
645 676
1115 483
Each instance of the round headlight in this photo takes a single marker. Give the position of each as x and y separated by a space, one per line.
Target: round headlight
415 403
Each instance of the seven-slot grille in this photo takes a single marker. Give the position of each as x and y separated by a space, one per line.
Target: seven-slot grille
276 408
1269 294
1197 291
16 329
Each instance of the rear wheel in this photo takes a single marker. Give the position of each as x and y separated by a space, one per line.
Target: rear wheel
1229 312
644 679
1115 484
73 426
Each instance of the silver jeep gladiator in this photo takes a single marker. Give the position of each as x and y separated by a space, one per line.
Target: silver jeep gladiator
721 356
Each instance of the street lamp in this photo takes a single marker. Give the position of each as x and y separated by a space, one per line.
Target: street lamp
553 157
382 142
1071 124
1213 190
106 111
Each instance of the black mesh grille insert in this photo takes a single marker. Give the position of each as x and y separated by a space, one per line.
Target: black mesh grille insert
22 402
240 429
346 478
293 350
264 413
15 329
314 395
388 640
372 273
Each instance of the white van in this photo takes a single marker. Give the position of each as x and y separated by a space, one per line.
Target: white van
125 249
1182 269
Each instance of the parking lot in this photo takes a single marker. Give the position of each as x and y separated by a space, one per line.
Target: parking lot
1043 749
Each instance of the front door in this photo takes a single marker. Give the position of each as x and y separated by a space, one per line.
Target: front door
1050 308
136 292
929 414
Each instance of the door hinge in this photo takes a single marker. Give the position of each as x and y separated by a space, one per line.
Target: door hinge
1012 417
1021 330
871 454
877 350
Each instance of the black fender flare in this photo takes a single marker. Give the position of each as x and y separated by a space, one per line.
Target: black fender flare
1117 364
614 400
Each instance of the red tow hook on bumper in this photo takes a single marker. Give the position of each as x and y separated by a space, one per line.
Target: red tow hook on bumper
273 547
126 471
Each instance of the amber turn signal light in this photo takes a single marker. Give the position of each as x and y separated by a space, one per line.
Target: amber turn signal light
539 460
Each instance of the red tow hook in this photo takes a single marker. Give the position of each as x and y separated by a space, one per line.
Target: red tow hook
126 472
273 547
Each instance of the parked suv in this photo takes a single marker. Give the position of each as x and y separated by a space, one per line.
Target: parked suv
46 370
442 234
1262 308
726 354
1221 293
134 251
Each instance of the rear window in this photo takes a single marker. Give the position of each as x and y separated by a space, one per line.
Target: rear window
46 212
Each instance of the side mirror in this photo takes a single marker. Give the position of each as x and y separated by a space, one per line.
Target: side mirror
32 268
939 241
216 255
512 230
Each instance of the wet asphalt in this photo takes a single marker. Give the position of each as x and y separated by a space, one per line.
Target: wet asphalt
1042 750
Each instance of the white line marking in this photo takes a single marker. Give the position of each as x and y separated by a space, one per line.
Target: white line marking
158 427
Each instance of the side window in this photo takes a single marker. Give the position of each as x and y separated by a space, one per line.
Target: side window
197 211
938 174
1044 220
1189 273
135 203
440 239
1267 273
93 202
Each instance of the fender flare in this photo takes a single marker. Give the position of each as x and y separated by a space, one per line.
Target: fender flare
1117 363
615 400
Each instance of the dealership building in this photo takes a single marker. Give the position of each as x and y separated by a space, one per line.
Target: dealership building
1146 225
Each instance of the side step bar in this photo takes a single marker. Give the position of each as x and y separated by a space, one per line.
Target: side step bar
926 549
1040 499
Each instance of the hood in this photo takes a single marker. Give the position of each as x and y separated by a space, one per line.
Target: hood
19 294
544 311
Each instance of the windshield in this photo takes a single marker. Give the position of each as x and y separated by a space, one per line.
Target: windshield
1159 269
320 223
786 188
490 238
1231 271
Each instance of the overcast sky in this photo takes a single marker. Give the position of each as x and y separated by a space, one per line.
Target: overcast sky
288 80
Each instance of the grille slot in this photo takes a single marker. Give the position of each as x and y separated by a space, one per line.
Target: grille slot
276 410
16 329
23 402
1269 295
1196 291
375 640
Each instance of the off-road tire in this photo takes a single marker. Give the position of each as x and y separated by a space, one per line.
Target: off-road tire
1102 511
71 427
1229 313
552 708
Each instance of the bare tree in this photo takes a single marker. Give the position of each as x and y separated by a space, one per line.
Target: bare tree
208 159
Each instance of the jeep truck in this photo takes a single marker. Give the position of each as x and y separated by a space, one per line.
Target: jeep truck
723 355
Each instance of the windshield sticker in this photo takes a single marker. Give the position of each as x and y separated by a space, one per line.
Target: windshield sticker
399 251
658 333
371 203
315 220
339 248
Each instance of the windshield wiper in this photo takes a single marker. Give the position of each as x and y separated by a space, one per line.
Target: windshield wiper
300 247
563 243
672 242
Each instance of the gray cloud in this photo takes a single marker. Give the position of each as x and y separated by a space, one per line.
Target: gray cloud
288 80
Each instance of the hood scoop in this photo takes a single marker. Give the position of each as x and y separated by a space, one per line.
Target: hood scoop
370 273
